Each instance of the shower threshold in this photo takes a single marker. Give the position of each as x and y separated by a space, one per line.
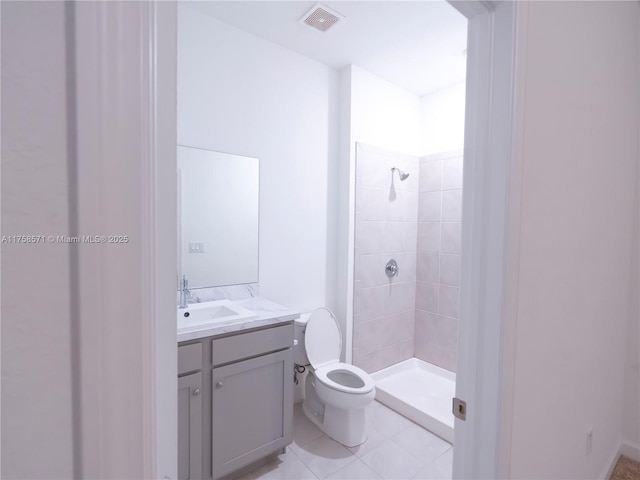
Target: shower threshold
419 391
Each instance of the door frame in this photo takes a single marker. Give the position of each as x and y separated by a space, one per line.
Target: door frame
121 69
127 50
489 241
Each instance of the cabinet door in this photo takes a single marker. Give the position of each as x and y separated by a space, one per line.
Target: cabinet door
252 408
190 427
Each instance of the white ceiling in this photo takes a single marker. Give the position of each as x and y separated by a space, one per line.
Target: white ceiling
418 45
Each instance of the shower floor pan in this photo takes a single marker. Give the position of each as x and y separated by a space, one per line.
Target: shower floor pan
419 391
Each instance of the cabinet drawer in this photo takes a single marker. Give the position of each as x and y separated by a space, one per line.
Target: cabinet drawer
189 358
244 345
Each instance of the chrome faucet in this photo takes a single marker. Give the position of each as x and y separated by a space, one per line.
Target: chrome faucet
185 294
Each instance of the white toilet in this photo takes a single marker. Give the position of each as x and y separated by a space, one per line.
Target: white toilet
336 393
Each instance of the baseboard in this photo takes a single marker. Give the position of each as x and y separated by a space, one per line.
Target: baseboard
611 464
628 449
631 450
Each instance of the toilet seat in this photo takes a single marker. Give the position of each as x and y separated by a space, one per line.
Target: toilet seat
336 393
323 344
324 374
322 339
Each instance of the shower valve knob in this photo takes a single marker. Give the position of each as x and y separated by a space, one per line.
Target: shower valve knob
391 269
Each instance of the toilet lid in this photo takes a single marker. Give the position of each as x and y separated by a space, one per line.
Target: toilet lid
322 339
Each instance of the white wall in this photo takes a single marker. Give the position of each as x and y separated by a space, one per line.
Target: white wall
579 156
378 113
36 356
243 95
631 406
383 114
345 226
442 120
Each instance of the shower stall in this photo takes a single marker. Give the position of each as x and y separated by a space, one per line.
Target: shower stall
406 280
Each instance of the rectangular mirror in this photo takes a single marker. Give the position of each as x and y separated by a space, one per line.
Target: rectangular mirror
218 207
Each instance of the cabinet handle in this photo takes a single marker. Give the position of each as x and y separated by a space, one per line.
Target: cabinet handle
196 392
219 384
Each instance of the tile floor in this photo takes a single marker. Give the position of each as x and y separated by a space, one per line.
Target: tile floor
396 449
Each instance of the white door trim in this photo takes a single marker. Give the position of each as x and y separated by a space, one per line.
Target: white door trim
126 179
125 158
490 217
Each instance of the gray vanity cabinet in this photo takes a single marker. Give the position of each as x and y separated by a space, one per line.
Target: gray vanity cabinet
252 397
249 410
235 400
190 426
190 412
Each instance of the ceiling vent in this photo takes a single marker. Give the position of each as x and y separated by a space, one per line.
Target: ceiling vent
321 18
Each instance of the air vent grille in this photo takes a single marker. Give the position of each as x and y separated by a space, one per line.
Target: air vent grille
321 18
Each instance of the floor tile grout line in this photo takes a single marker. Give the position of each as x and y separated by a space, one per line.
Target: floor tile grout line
424 463
353 457
380 474
291 451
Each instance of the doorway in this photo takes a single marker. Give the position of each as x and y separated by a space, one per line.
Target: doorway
483 353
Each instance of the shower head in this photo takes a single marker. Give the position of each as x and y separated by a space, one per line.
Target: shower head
403 176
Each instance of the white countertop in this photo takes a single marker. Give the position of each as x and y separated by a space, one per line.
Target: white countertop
269 313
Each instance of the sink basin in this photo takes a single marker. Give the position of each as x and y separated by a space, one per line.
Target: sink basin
199 316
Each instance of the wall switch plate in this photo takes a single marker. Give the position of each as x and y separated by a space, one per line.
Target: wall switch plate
196 247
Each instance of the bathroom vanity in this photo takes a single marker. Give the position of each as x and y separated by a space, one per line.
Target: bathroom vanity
235 390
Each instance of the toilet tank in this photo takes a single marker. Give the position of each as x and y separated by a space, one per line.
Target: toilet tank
299 353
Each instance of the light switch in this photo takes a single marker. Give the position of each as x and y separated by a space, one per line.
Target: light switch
196 247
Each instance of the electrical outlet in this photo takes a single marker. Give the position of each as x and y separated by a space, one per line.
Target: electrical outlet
589 442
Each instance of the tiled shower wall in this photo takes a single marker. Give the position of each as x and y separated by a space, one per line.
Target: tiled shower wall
417 222
438 248
386 227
